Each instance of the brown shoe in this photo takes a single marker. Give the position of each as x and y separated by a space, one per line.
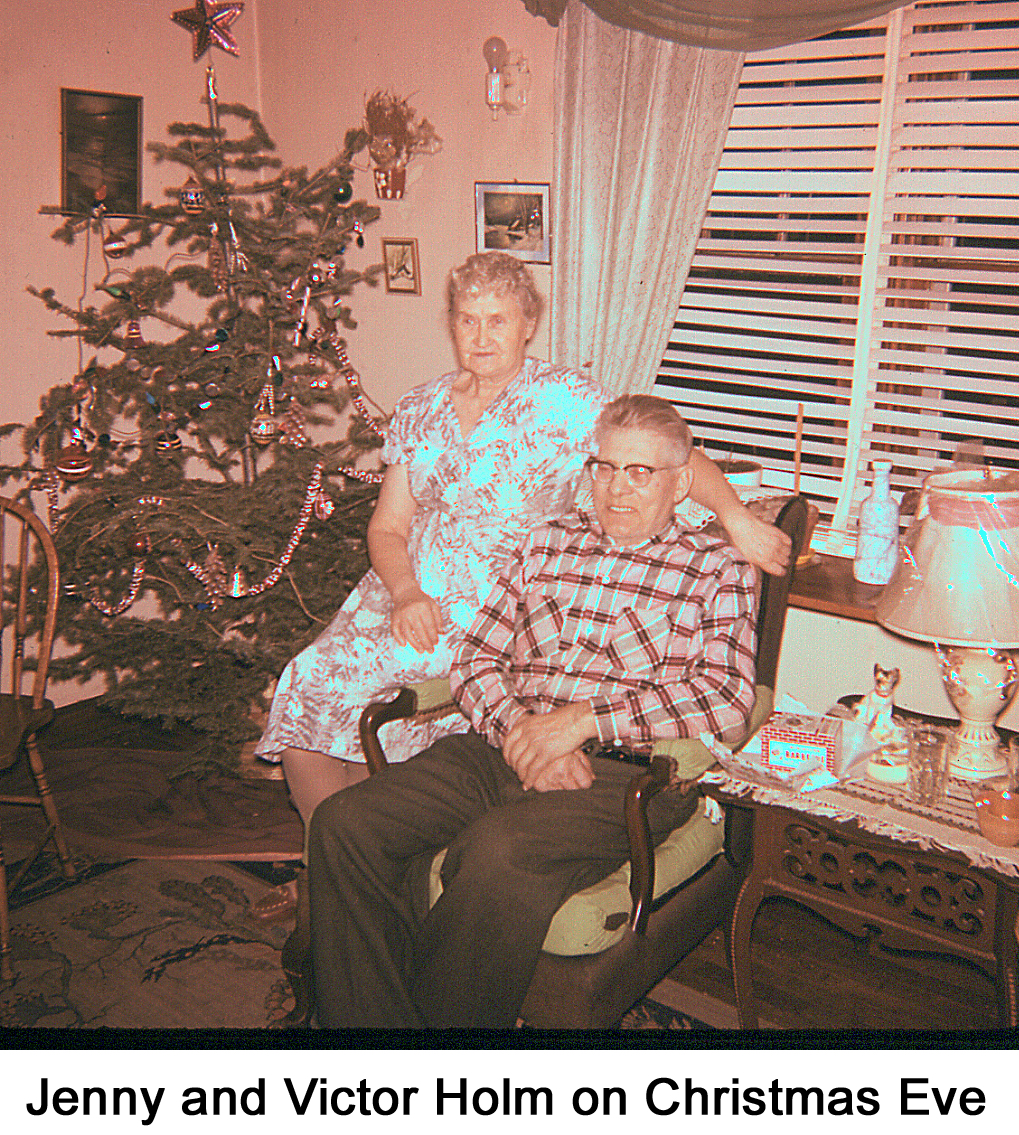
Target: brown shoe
277 905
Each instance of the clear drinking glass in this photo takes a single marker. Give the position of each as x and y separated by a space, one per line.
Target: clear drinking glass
927 773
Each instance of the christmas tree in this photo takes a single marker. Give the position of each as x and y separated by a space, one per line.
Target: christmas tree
205 533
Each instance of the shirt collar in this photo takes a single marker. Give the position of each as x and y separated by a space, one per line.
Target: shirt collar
670 534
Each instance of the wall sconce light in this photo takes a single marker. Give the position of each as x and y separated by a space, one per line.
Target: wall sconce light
509 78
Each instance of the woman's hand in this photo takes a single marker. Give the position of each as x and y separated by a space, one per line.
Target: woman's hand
764 545
417 620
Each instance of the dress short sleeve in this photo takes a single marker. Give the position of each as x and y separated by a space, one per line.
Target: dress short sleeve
397 447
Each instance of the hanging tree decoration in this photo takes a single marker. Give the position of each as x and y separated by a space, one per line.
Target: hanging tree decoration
314 487
115 246
292 427
324 507
218 266
74 462
353 380
238 584
212 575
50 485
237 262
302 318
264 426
192 197
137 575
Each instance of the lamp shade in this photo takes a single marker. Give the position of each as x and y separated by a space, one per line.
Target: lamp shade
957 579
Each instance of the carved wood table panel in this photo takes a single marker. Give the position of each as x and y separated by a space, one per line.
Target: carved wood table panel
875 888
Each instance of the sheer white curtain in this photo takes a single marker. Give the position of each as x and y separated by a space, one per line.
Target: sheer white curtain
639 128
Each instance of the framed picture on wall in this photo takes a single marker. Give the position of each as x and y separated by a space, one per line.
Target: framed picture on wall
403 273
100 152
513 217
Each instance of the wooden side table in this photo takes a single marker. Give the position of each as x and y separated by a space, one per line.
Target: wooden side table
875 888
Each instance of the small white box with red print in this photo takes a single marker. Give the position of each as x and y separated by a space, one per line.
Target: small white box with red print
789 740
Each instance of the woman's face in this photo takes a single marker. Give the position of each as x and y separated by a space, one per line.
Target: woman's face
490 333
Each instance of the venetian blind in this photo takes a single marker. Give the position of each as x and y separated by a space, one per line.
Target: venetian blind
860 258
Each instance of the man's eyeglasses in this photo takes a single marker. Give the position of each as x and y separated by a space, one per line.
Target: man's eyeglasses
638 475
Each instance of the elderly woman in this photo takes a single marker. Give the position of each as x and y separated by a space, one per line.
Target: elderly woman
474 460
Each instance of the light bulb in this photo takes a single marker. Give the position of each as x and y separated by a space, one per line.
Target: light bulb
494 51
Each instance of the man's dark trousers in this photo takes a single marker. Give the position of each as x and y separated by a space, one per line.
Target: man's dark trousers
381 958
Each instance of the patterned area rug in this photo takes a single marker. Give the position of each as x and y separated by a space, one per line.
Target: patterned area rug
145 944
651 1014
164 945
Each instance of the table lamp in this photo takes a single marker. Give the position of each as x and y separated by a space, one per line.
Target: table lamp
957 585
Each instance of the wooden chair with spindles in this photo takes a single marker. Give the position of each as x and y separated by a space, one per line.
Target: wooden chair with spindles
29 590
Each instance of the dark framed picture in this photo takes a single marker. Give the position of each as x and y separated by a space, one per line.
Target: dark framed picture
513 217
101 152
403 273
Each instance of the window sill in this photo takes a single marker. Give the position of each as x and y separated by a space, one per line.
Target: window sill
826 584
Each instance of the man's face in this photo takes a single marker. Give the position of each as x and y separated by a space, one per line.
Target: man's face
630 514
490 333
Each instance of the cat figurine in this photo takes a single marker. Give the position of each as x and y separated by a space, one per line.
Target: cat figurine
874 711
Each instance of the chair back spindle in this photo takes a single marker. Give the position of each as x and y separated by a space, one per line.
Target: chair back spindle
21 597
29 589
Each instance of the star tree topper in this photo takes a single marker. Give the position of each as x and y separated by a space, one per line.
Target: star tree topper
209 24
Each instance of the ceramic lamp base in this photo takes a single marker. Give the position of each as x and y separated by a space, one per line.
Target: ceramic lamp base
980 682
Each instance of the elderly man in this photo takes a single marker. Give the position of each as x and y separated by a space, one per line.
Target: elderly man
616 628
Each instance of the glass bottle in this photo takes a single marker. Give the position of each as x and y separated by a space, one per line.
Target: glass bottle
877 544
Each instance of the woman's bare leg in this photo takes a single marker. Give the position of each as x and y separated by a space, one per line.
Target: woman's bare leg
311 778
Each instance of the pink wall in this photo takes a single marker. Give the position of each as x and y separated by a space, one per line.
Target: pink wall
306 67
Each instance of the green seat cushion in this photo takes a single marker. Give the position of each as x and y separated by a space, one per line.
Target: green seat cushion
596 918
431 694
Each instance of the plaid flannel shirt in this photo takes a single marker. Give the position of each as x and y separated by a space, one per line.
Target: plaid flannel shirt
659 638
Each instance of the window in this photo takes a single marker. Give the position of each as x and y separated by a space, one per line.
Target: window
860 258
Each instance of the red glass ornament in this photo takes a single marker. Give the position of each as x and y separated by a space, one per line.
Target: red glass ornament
168 442
115 246
323 506
74 462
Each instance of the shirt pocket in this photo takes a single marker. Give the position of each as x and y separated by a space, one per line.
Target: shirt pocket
638 640
542 629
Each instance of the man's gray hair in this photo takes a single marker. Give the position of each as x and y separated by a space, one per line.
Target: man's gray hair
499 273
646 412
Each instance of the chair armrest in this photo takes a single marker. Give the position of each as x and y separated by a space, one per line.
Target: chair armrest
639 792
674 761
374 716
690 755
433 696
429 700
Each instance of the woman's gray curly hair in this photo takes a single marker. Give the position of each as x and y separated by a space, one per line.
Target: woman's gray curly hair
499 273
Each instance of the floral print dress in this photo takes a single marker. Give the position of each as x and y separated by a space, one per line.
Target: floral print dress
476 498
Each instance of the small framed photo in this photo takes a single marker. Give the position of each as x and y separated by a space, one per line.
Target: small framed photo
403 273
101 152
513 217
